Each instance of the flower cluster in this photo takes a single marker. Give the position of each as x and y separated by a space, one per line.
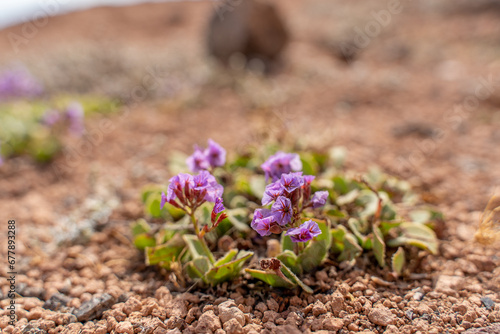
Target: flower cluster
281 163
188 191
291 194
72 116
213 156
18 83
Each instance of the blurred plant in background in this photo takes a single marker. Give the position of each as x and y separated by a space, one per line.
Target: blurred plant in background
18 82
37 125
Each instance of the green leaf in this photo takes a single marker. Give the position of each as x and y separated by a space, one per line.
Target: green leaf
198 268
238 218
420 216
350 197
226 258
398 261
144 240
140 226
286 243
386 226
238 201
351 248
338 234
417 235
289 259
317 249
166 253
288 273
288 280
229 270
271 278
356 227
309 164
195 246
379 246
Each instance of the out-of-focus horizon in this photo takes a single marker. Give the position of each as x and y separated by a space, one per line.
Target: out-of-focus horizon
12 13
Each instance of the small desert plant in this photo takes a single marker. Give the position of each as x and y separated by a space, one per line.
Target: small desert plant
319 212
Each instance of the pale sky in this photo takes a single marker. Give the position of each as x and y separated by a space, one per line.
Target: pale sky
15 11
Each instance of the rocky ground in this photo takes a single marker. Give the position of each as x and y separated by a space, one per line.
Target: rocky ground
420 101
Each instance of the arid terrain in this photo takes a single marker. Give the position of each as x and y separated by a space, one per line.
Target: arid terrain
421 101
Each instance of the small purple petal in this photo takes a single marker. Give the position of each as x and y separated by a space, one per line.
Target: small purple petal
281 163
304 232
263 225
291 181
219 206
282 210
308 179
197 161
215 154
272 192
163 200
319 199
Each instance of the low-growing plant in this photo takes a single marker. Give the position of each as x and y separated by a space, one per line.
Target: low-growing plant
38 128
319 211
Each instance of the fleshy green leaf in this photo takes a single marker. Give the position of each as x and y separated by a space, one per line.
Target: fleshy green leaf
166 253
198 268
338 234
144 240
350 197
226 258
140 226
351 248
271 278
357 228
238 218
287 280
317 249
289 259
229 270
194 246
379 246
286 243
417 235
398 261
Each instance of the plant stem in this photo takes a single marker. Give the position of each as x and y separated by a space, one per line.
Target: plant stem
202 239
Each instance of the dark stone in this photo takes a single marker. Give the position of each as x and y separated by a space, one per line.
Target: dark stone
56 302
94 308
488 303
250 27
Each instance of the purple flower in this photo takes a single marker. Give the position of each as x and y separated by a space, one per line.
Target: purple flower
281 163
179 187
206 184
272 192
319 199
263 222
215 154
304 232
308 179
197 161
291 181
74 114
282 210
219 206
18 83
